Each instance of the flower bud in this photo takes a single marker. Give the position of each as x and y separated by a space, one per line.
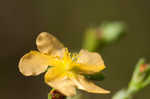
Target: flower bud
54 94
111 31
141 76
106 33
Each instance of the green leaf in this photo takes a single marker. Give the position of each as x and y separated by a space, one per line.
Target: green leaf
98 76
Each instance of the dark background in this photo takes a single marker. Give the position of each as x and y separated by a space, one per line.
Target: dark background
22 20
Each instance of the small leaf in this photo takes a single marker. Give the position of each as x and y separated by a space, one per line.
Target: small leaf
98 76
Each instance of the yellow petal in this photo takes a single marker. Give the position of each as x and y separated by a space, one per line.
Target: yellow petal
60 83
52 73
47 43
90 62
59 53
34 63
85 85
90 58
88 69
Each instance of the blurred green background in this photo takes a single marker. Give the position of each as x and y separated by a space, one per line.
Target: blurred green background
22 20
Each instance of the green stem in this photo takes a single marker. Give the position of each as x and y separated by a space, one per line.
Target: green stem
136 84
49 96
91 42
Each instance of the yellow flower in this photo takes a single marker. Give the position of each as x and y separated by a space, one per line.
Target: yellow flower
65 74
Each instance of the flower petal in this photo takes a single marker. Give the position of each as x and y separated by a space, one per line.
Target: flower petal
88 69
34 63
90 62
85 85
90 58
52 73
59 53
60 83
47 43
